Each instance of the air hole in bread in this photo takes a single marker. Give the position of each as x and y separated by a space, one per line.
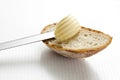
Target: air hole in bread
90 42
95 44
90 34
85 35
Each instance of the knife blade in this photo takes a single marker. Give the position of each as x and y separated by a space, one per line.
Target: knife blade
26 40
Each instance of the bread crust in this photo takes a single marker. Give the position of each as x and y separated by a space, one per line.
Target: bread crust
73 53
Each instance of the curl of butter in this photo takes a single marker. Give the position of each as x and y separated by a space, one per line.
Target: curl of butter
67 28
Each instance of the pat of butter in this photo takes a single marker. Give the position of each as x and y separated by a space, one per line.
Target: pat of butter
67 28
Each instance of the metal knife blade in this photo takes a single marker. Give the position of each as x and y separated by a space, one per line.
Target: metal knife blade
26 40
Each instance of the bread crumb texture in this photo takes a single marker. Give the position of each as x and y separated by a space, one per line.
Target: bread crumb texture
85 39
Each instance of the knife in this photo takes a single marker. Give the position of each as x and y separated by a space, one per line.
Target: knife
26 40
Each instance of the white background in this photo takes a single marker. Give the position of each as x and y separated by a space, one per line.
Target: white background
20 18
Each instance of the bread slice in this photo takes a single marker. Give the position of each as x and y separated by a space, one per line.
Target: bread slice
86 43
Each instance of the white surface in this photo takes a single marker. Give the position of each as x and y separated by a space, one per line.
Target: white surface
20 18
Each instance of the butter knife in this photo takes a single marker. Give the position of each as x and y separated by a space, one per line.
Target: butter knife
26 40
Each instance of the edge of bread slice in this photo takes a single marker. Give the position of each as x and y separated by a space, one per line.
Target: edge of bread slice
86 43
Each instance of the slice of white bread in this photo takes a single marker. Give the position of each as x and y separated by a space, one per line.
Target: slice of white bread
86 43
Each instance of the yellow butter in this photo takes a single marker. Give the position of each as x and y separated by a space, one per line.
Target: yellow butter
66 28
